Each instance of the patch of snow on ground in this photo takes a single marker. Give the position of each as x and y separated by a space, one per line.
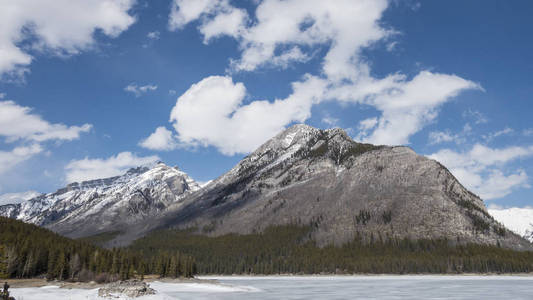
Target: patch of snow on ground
200 287
165 291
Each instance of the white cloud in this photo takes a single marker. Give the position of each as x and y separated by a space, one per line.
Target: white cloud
15 198
392 46
231 23
185 11
211 112
290 31
480 169
139 90
437 137
406 105
477 116
527 132
285 24
491 136
9 159
329 120
161 139
153 35
18 122
87 169
43 24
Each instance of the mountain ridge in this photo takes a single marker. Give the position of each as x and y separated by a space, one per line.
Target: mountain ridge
306 176
94 206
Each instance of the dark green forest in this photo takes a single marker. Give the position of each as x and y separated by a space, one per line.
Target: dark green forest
30 251
288 249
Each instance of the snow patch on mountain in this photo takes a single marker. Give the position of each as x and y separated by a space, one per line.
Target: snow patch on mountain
517 219
91 206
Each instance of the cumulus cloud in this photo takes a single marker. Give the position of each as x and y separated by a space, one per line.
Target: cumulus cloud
9 159
139 90
42 25
162 139
408 105
290 31
220 17
481 169
87 169
284 24
212 112
14 198
18 122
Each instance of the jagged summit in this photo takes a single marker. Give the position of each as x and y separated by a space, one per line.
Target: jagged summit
98 205
307 176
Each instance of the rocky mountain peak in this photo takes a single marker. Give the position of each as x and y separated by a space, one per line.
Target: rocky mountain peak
94 205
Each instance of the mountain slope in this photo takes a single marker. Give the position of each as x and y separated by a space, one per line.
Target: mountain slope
302 176
95 206
322 177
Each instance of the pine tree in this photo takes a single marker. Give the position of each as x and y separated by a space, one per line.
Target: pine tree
3 262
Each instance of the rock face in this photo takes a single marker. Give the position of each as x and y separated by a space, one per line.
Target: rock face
102 205
324 178
302 176
131 289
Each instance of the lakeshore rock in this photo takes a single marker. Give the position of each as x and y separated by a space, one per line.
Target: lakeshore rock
129 288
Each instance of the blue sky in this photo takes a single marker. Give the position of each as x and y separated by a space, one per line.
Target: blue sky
89 92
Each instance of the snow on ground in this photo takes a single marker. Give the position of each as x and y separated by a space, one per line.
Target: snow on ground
165 291
200 287
56 293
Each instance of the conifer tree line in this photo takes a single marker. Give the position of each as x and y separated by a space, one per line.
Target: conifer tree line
28 251
288 249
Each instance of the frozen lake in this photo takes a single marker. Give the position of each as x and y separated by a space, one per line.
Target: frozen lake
322 287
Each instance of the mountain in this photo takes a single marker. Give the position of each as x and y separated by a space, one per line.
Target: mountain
303 176
519 220
322 177
97 206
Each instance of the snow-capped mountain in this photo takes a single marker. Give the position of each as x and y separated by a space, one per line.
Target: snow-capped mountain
303 176
519 220
90 207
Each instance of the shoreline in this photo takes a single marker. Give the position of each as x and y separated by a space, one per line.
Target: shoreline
212 279
42 282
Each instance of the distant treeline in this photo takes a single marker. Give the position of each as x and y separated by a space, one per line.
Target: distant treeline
288 249
28 251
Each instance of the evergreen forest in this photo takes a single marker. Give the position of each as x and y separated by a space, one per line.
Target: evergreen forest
288 249
29 251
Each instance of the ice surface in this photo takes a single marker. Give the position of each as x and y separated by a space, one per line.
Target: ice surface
320 287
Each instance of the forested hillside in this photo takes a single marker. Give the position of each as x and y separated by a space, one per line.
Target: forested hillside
287 249
27 251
